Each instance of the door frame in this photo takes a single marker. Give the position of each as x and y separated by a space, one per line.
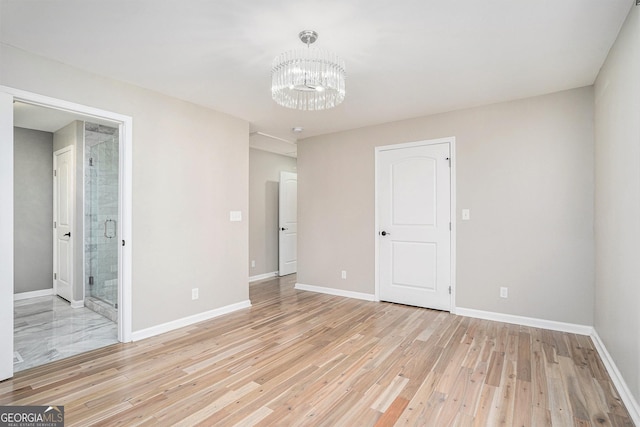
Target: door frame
70 149
125 124
452 149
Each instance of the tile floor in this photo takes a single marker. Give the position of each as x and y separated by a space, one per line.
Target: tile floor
48 329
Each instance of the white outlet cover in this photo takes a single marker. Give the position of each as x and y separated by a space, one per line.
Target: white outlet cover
466 214
235 216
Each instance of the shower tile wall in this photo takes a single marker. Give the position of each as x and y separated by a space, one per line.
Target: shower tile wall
101 216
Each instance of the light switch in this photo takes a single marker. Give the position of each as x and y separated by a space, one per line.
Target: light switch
466 215
235 216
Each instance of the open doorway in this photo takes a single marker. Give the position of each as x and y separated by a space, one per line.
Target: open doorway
50 321
74 309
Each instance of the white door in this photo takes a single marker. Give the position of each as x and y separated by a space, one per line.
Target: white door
288 221
414 236
63 198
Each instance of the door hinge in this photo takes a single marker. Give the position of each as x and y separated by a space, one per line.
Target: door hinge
448 159
55 225
449 226
55 172
449 290
55 276
122 242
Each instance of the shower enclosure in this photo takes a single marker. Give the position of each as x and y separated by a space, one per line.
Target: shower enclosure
101 188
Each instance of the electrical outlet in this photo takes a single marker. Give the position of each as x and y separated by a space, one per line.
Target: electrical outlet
466 214
344 274
504 292
194 293
253 263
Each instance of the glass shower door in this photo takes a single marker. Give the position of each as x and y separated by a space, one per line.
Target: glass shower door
101 219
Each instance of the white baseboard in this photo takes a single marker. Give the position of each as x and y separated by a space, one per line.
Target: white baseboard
77 304
263 276
526 321
337 292
190 320
619 382
33 294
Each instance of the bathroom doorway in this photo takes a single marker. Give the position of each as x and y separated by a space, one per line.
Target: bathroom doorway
101 291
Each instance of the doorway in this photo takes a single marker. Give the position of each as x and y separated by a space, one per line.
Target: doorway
119 230
415 224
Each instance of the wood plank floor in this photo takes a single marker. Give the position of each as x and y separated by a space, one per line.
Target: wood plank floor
301 358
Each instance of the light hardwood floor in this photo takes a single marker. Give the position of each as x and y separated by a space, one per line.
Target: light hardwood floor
301 358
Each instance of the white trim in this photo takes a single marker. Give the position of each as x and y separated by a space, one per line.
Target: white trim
76 303
337 292
263 276
187 321
125 296
32 294
618 380
6 231
451 140
126 173
572 328
453 218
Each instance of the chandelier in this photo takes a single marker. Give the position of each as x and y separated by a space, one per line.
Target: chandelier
308 79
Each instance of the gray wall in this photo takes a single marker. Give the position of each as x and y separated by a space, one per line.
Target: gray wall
190 168
264 176
73 134
617 113
33 210
524 168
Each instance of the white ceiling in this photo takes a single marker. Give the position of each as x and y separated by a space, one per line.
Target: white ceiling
31 116
404 58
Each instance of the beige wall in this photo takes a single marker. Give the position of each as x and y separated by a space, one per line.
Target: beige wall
617 135
264 176
33 210
190 168
524 168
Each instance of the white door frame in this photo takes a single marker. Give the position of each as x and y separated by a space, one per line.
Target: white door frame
125 123
6 236
56 220
452 144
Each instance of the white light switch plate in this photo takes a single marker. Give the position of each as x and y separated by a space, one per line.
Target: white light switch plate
466 215
235 216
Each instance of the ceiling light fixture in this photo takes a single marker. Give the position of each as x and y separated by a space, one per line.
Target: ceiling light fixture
308 79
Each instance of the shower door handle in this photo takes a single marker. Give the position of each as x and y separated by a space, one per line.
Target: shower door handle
106 229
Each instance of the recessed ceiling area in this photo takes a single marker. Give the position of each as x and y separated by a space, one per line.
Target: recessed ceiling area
404 59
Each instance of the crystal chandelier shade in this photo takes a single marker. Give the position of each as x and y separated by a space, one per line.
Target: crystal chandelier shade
308 79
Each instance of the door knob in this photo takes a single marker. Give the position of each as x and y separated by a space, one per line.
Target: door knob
284 229
384 233
67 234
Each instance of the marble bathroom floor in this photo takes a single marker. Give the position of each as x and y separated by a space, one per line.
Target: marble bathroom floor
48 329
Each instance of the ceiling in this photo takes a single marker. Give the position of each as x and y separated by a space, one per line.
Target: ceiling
404 58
